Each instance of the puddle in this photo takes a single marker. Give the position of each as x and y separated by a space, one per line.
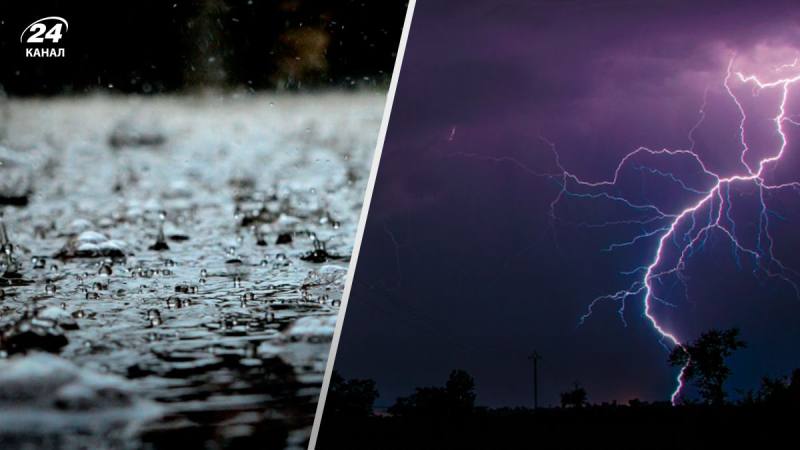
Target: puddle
193 249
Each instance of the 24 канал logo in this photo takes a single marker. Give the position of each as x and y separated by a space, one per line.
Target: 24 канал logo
45 34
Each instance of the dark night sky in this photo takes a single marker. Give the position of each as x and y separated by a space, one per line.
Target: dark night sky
469 271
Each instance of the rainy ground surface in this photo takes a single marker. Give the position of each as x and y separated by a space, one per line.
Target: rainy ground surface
221 338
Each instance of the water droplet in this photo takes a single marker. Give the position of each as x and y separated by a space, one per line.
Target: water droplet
50 288
105 270
203 273
161 240
154 316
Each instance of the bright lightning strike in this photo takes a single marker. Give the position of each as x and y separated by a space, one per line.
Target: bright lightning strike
716 200
685 230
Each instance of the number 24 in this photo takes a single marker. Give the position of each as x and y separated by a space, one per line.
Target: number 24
39 29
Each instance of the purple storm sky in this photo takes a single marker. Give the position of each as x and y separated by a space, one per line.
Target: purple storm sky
462 264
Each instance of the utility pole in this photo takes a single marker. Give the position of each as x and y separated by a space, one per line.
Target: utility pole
535 357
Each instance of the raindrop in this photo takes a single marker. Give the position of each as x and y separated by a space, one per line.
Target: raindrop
50 288
173 302
105 270
161 240
154 316
38 263
203 273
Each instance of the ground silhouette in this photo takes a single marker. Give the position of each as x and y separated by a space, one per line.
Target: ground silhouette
447 418
455 399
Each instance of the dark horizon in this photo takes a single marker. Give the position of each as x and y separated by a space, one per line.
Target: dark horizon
462 265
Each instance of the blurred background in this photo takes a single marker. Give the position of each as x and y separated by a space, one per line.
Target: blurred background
154 46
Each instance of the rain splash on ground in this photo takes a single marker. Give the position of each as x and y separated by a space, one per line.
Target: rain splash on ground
172 267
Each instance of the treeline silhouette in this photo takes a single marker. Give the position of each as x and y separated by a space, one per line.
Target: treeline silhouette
447 417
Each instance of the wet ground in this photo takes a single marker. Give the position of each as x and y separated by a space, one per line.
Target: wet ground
172 267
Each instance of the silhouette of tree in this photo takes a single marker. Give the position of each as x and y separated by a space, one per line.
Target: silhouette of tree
350 398
576 398
460 390
456 399
704 360
780 391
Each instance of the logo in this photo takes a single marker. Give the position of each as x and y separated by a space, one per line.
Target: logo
45 33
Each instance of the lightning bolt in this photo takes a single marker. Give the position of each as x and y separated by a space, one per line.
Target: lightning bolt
684 231
716 201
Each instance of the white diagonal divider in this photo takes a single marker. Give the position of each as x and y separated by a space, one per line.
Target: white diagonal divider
362 222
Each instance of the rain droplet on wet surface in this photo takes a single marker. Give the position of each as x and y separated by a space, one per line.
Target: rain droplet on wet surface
105 270
161 240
